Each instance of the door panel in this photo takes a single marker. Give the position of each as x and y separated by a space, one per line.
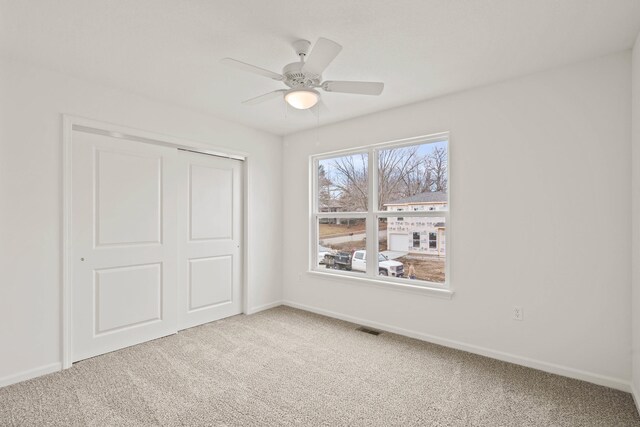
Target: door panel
130 214
210 202
124 239
126 296
210 221
210 282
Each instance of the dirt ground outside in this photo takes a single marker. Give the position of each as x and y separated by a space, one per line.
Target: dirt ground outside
333 230
356 245
326 230
429 268
349 246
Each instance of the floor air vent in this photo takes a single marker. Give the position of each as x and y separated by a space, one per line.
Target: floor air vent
368 330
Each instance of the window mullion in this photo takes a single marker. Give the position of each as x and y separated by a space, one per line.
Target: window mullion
372 237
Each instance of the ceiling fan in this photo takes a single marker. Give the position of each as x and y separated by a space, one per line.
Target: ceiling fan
305 76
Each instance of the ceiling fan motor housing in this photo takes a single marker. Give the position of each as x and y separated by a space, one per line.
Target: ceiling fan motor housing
294 77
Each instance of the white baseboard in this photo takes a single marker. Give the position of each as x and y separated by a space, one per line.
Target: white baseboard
31 373
552 368
506 357
636 396
54 367
263 307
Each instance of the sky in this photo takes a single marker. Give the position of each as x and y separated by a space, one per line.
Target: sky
422 150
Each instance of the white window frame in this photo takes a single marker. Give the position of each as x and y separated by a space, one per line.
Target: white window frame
372 217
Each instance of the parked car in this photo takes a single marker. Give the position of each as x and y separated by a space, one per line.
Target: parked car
338 260
322 251
386 267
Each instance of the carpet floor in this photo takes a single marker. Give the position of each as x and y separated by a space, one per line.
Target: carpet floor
289 367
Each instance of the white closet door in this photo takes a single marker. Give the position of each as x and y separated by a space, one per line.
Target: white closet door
124 241
210 234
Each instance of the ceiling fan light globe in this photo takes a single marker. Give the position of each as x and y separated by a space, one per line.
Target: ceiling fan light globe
302 99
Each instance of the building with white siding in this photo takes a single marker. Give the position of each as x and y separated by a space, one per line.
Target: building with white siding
423 235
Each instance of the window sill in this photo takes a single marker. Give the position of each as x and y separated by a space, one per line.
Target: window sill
395 286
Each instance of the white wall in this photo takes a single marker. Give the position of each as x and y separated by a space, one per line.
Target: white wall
31 103
635 284
540 184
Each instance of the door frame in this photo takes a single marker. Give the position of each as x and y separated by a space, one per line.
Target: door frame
72 123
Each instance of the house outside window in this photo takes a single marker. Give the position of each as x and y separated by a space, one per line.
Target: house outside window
356 197
429 201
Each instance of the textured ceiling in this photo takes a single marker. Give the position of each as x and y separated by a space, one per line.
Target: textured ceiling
169 50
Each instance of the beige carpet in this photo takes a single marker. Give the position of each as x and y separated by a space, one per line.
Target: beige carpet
289 367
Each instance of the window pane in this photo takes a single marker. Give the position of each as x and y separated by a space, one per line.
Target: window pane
416 239
343 184
413 248
342 243
413 178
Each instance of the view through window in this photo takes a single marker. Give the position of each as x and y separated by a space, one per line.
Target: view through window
411 178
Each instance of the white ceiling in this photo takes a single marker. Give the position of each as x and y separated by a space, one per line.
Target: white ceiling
169 50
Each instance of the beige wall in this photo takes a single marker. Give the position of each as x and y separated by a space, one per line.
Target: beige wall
31 103
554 148
635 301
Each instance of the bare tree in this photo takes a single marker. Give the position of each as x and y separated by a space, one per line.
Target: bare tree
418 178
402 172
324 188
393 167
351 181
439 166
427 173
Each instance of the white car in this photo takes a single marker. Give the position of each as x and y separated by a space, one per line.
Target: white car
386 267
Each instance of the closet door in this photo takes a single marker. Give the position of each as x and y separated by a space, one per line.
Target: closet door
210 235
124 239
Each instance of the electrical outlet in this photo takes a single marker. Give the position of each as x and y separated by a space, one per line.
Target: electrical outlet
517 313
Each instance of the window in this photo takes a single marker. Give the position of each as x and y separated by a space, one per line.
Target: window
433 242
357 195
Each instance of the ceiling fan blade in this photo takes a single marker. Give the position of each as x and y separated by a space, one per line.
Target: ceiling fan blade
265 97
323 52
251 68
362 88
